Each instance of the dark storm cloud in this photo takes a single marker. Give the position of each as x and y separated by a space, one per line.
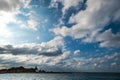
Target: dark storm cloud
52 53
2 49
15 50
29 50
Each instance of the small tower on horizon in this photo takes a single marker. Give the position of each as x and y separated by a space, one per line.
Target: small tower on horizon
36 69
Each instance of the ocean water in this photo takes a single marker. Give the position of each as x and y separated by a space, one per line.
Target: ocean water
73 76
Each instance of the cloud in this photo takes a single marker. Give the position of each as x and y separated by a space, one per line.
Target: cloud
77 52
5 18
70 3
51 52
54 3
9 9
108 39
66 4
73 32
6 5
73 63
31 23
90 22
14 5
64 62
34 49
9 60
50 48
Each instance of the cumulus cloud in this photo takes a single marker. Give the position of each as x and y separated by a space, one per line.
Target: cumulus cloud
94 64
9 9
14 5
77 52
7 5
6 18
66 4
36 50
51 52
70 3
104 63
31 23
108 39
8 60
50 48
73 32
90 21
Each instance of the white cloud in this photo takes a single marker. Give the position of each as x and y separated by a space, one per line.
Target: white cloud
57 41
108 39
90 21
52 45
7 5
74 32
54 3
37 37
12 6
90 64
9 10
70 3
5 18
66 4
32 22
113 64
77 52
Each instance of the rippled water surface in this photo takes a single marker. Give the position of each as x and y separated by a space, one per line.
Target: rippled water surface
73 76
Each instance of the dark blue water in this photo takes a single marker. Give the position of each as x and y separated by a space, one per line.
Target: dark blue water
74 76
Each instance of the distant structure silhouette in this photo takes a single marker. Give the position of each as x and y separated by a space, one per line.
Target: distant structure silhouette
21 69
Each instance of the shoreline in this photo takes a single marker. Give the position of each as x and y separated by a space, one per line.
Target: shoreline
64 73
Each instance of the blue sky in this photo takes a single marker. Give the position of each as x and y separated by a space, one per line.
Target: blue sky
60 35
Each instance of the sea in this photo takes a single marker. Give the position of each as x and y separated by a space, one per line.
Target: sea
59 76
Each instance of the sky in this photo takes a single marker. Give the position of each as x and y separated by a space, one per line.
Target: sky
60 35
